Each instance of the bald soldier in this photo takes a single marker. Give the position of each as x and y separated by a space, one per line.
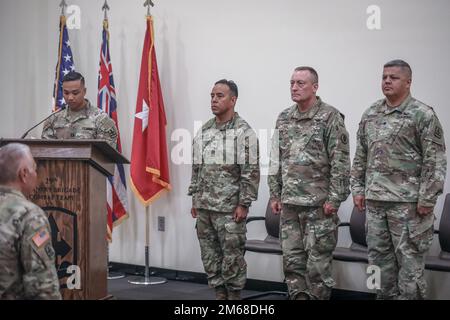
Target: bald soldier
398 173
27 258
81 120
308 180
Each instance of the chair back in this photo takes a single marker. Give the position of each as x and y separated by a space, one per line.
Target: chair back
358 227
444 226
272 222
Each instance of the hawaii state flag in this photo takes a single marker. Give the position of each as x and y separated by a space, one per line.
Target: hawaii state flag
116 188
149 162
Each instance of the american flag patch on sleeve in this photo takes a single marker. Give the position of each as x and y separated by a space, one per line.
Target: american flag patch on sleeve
41 237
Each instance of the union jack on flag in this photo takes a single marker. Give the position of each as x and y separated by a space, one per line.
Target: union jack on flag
65 64
116 189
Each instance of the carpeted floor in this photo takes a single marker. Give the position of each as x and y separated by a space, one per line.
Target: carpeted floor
121 289
183 289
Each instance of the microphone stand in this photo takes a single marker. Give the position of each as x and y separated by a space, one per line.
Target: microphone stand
63 107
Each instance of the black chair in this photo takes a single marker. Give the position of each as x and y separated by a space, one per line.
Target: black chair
442 261
357 252
270 245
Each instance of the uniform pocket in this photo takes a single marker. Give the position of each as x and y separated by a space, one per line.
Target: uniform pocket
233 227
235 236
421 233
298 152
325 236
304 140
63 132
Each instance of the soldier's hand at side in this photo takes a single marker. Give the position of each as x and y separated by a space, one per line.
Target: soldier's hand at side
423 211
240 213
275 205
329 209
193 212
360 202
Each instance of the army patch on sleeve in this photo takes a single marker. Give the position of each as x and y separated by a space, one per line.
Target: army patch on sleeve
40 237
438 132
50 251
344 138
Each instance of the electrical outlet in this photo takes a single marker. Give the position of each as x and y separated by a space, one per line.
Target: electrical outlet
161 224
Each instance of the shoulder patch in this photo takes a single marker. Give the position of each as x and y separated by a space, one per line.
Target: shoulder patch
344 138
438 133
50 251
41 237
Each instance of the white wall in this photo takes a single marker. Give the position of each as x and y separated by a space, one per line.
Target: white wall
255 43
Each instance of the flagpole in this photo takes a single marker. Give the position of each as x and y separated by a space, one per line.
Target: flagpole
65 61
147 279
111 275
147 243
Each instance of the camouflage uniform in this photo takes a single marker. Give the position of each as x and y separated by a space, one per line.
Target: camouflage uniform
225 174
89 123
27 258
312 168
399 163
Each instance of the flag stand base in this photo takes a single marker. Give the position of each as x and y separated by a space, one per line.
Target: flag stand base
147 280
115 275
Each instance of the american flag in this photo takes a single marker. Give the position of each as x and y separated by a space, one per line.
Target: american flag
41 237
65 64
116 190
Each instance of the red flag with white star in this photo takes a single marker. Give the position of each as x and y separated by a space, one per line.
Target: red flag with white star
149 161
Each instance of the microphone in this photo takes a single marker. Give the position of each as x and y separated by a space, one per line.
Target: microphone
63 107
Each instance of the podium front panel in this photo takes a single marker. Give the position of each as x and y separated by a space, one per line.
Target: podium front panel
73 194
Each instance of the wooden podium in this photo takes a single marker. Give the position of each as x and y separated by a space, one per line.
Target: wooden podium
72 191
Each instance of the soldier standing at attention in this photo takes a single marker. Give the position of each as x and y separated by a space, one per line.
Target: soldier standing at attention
398 173
308 180
27 258
81 120
225 180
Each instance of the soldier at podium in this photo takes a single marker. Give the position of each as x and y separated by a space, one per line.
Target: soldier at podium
27 257
81 120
